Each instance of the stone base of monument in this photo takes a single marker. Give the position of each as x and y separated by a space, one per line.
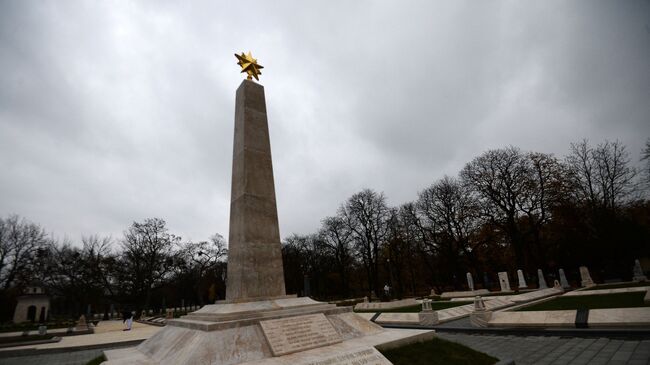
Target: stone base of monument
268 331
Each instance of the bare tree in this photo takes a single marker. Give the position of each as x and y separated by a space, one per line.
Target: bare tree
97 255
452 211
500 177
366 215
148 251
20 240
336 237
547 188
200 257
602 177
645 156
421 243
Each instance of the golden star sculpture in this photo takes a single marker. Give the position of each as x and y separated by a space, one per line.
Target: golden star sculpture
249 65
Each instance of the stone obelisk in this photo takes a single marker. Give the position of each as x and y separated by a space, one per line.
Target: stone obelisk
258 321
254 251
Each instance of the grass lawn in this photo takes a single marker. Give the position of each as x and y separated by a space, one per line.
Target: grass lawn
618 300
617 286
415 308
471 299
437 352
96 361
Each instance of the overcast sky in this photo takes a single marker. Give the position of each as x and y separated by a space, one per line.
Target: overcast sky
116 111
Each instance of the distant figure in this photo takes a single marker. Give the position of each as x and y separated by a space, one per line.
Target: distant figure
127 318
387 291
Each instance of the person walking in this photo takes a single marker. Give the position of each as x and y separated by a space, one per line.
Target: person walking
127 318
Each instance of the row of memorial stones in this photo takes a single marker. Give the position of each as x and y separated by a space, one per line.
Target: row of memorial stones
113 314
584 276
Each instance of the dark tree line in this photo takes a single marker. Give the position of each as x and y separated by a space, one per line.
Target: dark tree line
148 268
506 210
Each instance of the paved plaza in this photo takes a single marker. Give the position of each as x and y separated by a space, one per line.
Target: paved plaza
542 350
554 350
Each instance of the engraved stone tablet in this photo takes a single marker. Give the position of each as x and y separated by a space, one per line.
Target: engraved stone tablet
293 334
365 356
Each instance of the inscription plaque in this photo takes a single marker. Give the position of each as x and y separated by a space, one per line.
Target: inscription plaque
300 333
363 356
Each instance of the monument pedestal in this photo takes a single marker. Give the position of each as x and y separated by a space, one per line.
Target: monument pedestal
273 331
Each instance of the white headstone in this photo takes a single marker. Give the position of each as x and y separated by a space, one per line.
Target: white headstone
540 278
522 280
504 282
563 281
638 272
585 277
470 281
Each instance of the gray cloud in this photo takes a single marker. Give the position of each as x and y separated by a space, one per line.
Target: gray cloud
114 112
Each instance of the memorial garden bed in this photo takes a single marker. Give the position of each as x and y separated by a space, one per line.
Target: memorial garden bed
437 351
618 285
415 308
21 327
16 341
618 300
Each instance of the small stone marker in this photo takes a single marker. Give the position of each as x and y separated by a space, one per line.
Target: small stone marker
540 278
426 305
365 299
638 272
522 280
81 324
433 292
170 314
585 277
480 316
300 333
364 355
504 282
563 281
427 317
556 285
470 281
479 304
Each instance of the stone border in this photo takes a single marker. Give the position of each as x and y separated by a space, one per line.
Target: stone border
607 291
410 302
465 294
593 318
